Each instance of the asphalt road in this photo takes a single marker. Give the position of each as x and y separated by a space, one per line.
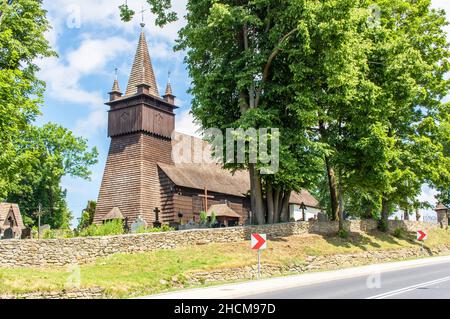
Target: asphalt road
424 282
427 278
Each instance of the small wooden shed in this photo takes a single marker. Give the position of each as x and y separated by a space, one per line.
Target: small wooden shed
442 212
114 214
224 214
11 223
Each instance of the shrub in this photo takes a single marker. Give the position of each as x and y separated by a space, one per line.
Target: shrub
203 218
34 232
213 219
111 228
382 225
164 228
58 233
399 232
141 230
49 234
342 233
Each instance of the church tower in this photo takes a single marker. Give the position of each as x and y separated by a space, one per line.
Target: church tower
140 125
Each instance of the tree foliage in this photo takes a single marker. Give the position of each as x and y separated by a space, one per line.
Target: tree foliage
33 159
355 95
410 58
87 216
22 41
54 153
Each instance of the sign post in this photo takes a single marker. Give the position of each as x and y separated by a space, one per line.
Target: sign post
39 214
422 236
259 243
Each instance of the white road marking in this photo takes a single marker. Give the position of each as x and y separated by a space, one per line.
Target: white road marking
408 289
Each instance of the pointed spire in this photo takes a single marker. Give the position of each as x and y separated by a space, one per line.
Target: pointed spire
142 70
116 87
115 92
168 96
169 89
169 86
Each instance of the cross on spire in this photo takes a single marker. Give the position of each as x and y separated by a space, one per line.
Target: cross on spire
168 96
169 85
115 92
142 13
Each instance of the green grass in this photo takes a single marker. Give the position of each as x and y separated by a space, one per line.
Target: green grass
124 275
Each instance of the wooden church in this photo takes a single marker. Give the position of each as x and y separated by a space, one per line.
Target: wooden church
142 179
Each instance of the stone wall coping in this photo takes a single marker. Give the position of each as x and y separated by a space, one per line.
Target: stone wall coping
214 230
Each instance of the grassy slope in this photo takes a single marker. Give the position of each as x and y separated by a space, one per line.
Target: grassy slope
139 274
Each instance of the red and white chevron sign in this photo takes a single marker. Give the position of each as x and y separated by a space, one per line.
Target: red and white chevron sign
259 241
421 235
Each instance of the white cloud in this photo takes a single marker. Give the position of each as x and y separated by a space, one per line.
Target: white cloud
93 54
64 75
443 4
185 124
96 120
63 83
104 14
428 195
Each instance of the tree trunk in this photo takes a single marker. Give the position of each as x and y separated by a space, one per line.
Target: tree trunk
418 216
406 214
385 212
332 184
331 176
257 195
341 205
276 205
284 213
270 205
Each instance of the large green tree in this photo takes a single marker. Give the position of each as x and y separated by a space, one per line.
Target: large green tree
33 160
22 27
358 92
236 55
444 134
329 62
248 60
55 153
409 61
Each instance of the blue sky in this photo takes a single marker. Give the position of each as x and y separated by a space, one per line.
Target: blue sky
91 41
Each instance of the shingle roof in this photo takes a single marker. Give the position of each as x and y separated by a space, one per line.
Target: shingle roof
211 176
142 70
116 87
222 210
304 197
5 208
115 213
169 89
441 206
218 180
214 177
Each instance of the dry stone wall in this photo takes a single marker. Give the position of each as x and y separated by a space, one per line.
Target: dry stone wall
314 263
61 252
88 293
